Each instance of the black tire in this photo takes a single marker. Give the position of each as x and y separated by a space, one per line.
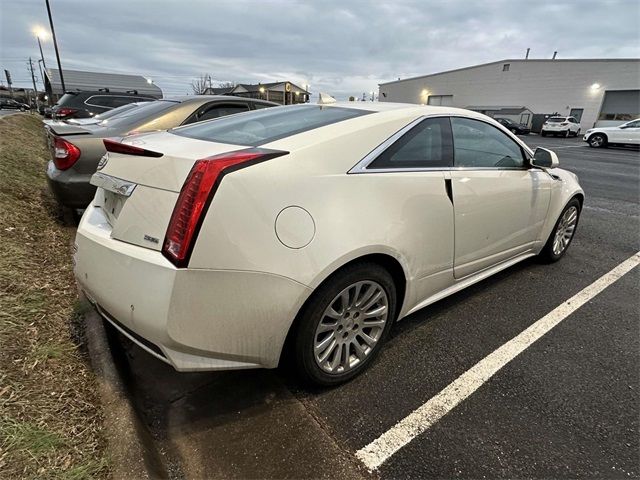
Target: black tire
597 140
543 134
312 313
547 255
568 134
578 132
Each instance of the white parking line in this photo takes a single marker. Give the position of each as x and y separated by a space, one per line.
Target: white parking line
416 423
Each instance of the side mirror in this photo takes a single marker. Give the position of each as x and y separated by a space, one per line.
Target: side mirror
545 158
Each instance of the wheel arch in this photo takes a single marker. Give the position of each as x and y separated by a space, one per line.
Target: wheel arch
389 262
606 137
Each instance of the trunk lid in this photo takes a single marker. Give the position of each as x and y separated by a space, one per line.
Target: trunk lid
138 193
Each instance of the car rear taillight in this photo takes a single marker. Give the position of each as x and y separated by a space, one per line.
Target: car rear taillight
65 111
117 147
196 195
65 153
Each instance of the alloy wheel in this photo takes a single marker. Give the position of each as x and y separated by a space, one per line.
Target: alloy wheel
596 141
351 326
564 231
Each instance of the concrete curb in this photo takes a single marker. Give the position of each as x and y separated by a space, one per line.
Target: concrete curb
130 446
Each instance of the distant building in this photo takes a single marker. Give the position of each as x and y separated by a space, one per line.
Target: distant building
76 80
595 91
284 93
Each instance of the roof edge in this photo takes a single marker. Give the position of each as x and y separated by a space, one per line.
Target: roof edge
514 60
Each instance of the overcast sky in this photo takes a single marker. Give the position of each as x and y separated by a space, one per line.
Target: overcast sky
339 47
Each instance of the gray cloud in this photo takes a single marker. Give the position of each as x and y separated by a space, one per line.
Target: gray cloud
344 48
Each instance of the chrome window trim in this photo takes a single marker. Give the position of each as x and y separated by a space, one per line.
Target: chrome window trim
113 184
361 166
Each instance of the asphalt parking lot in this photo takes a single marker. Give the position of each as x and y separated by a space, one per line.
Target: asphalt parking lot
567 406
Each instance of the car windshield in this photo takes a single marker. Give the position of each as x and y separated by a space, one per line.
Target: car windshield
265 126
147 109
556 120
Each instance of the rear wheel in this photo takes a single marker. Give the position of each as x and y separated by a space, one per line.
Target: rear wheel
543 134
597 140
344 325
567 133
562 233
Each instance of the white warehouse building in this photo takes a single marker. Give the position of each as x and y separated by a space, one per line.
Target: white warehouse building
597 92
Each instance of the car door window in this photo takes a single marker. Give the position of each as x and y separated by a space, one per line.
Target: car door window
635 124
427 145
210 112
480 145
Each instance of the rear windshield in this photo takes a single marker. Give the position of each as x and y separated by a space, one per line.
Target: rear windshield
556 120
66 98
116 111
267 125
147 109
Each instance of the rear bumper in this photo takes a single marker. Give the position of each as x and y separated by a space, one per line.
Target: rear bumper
71 189
192 319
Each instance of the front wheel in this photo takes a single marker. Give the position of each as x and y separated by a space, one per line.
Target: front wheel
562 233
344 324
543 134
597 141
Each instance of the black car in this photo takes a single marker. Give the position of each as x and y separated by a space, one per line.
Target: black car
517 128
13 104
88 104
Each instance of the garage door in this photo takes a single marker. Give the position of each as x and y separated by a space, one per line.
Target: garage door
620 106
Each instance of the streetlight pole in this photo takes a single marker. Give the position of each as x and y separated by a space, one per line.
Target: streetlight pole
41 54
55 45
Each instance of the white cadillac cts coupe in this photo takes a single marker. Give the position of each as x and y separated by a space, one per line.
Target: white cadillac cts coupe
310 227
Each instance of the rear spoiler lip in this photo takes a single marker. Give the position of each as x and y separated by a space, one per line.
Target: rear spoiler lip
114 145
60 129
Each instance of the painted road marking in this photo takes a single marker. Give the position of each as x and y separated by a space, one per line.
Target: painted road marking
416 423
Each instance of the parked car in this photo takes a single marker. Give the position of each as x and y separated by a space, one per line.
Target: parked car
310 227
564 126
77 149
88 104
10 103
101 117
517 128
625 134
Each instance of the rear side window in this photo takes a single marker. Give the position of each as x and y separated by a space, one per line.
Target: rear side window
556 120
427 145
480 145
267 125
112 101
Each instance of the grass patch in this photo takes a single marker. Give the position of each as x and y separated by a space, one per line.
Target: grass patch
50 419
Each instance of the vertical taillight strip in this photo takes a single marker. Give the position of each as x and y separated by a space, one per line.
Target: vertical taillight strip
196 195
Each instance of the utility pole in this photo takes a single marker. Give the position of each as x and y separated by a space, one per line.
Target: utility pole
55 45
33 78
7 74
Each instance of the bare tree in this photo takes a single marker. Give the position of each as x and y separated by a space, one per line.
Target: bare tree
226 84
199 85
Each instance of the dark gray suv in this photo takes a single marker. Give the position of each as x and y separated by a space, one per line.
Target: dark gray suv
77 149
88 104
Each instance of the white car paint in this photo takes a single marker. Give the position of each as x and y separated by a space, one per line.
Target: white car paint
626 134
558 125
276 230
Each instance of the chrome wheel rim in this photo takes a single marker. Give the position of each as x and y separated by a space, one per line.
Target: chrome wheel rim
596 141
350 327
565 230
